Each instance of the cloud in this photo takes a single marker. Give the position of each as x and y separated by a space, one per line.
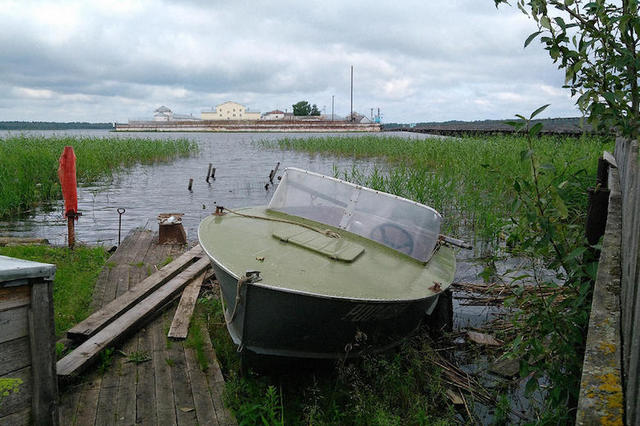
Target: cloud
416 60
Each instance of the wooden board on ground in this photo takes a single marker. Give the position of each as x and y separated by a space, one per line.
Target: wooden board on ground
180 324
99 319
74 362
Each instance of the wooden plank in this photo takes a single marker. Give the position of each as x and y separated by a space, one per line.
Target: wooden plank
8 241
125 403
106 409
43 355
14 323
14 355
145 387
216 383
182 392
68 408
88 404
98 320
20 418
205 411
14 297
74 362
609 158
22 399
180 324
165 404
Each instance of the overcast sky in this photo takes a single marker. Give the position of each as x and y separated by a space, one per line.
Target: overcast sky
415 60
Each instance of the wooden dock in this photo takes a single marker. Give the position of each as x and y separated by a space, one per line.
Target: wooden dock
168 389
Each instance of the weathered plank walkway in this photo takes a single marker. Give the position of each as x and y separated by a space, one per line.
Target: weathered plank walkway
170 388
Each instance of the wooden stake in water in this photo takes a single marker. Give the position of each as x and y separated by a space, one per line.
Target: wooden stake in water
71 229
190 184
213 173
209 172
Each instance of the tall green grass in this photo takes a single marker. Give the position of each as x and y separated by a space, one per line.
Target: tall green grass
77 271
29 164
463 178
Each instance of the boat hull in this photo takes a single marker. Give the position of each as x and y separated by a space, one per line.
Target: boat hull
274 321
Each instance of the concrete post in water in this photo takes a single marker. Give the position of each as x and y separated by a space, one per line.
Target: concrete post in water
208 173
190 184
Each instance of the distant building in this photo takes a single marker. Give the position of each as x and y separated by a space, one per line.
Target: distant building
165 114
230 111
276 114
162 114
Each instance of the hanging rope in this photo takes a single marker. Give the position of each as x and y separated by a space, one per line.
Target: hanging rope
326 232
242 281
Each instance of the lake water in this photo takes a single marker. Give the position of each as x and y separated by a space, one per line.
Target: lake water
144 191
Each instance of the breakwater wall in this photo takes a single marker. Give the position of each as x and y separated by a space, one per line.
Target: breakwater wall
292 126
610 386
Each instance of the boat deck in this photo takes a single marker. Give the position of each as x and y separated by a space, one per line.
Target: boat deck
170 388
309 265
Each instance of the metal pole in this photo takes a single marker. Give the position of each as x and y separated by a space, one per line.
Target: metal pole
120 213
332 99
351 116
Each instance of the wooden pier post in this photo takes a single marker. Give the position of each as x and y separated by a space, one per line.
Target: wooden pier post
190 184
209 172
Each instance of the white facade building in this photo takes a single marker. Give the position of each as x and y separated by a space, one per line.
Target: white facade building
273 115
230 111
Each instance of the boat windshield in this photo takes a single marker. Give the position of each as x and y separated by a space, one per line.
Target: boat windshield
396 222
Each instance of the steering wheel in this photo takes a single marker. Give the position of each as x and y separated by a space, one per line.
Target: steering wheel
393 236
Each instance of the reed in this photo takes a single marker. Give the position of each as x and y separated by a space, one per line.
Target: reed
457 176
29 164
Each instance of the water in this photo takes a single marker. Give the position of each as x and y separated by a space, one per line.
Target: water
144 191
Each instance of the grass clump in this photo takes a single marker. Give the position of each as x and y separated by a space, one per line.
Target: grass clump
28 176
77 271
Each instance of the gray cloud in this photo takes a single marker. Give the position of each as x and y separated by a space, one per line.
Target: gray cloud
416 60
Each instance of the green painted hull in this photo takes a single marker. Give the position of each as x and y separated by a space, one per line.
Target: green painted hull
309 304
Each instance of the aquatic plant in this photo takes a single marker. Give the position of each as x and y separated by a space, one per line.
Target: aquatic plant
28 173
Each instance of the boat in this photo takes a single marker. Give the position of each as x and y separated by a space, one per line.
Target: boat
328 269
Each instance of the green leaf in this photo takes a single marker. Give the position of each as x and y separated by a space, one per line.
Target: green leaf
576 253
538 111
531 386
533 131
545 22
548 166
531 38
525 154
568 2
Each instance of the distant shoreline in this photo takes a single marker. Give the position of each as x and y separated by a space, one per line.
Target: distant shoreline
276 126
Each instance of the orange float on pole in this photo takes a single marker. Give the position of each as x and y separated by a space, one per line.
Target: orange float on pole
67 176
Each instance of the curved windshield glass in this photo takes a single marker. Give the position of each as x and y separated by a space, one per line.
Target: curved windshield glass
396 222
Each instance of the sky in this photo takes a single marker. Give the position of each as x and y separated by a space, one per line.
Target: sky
418 61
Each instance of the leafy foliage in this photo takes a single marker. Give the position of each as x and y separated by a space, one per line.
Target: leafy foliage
551 330
596 43
8 386
303 108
